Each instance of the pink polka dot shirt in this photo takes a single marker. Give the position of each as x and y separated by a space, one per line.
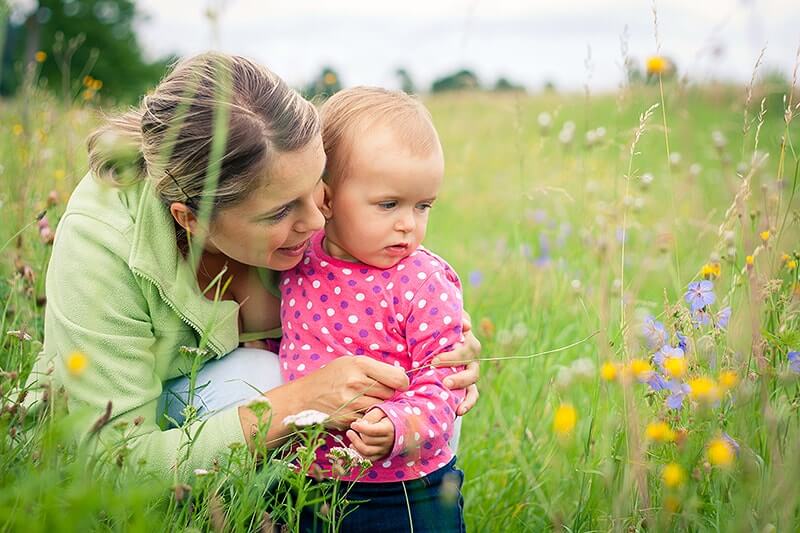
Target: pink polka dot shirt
403 315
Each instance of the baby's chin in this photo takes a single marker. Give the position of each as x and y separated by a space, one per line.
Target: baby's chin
384 261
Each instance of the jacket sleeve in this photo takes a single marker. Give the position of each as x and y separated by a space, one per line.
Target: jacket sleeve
95 307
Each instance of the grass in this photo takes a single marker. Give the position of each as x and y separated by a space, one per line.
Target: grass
536 227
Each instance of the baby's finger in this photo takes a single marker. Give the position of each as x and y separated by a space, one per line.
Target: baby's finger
374 415
384 427
470 400
368 451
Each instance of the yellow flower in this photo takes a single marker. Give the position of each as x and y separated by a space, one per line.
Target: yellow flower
59 174
17 130
675 366
673 475
87 81
672 504
749 260
96 85
640 369
711 270
608 371
330 78
564 419
88 94
785 257
77 363
728 379
657 65
704 389
764 235
720 453
659 432
40 56
791 264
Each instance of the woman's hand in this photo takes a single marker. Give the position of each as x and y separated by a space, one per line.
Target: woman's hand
350 385
463 354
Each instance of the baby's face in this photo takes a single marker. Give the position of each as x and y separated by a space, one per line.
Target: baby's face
379 210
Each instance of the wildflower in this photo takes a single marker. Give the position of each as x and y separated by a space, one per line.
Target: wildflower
728 379
657 65
700 294
96 85
329 78
656 382
666 352
675 366
704 388
791 264
711 270
306 418
260 405
59 174
654 332
545 120
678 391
672 504
794 361
200 472
608 371
77 363
764 235
647 180
695 169
345 459
723 317
476 278
486 327
576 285
719 140
564 419
675 159
640 369
659 432
20 334
673 475
683 341
17 130
45 232
720 452
40 56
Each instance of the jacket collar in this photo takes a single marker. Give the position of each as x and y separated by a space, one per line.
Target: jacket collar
155 256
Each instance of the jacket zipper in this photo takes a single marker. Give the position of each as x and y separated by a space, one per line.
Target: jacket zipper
197 329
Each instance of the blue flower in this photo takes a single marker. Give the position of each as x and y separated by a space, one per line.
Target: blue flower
683 341
678 391
794 362
656 382
476 278
655 333
664 352
700 294
733 443
723 317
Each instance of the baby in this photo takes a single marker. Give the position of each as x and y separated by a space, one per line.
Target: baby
367 287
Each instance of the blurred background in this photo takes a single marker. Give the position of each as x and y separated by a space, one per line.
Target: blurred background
123 45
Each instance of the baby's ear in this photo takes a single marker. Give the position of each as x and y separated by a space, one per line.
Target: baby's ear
327 202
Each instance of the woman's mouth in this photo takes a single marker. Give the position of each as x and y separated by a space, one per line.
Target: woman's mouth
294 251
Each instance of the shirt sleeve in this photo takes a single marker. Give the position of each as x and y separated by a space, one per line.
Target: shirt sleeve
423 415
96 307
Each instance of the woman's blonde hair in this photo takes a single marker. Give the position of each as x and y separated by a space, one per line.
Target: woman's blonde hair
353 111
169 137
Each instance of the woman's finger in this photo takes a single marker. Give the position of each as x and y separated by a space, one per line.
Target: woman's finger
391 376
461 354
470 400
463 379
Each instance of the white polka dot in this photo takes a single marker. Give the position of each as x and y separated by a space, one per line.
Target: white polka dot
379 326
443 297
408 410
285 365
410 464
299 281
435 263
400 440
306 347
348 340
401 348
423 388
409 295
397 363
360 296
323 264
393 413
301 367
370 278
387 464
289 325
437 452
400 267
305 326
337 290
442 341
410 393
286 281
422 474
291 346
431 406
390 286
444 426
346 271
325 330
430 373
415 253
292 302
384 304
422 275
431 434
315 284
309 305
399 317
329 349
423 326
330 311
421 303
442 465
443 395
352 319
307 260
414 364
417 410
447 320
374 346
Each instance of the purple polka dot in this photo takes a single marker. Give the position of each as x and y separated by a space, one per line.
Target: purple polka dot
343 304
427 445
331 276
376 289
295 357
310 272
390 320
372 474
385 274
435 334
404 278
417 262
457 329
411 319
399 475
323 298
338 326
431 288
363 270
351 282
324 448
434 311
297 314
359 351
395 300
370 311
291 377
314 356
412 342
316 317
446 436
424 461
305 294
428 353
289 290
296 337
432 419
363 333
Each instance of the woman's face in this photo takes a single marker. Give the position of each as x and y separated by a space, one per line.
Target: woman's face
272 227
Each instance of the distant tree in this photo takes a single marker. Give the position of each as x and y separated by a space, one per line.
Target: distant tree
406 83
326 84
549 86
458 81
503 84
83 47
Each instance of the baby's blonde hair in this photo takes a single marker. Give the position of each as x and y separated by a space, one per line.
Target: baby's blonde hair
354 111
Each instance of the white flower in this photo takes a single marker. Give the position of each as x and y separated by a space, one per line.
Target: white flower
647 179
675 159
20 334
309 417
600 132
545 120
576 285
564 377
695 169
519 331
583 367
591 137
199 472
719 139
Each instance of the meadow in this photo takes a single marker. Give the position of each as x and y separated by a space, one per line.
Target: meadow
630 264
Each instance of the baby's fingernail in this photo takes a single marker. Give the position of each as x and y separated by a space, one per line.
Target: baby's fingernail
448 383
435 361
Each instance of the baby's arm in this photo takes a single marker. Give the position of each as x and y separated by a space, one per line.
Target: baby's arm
424 414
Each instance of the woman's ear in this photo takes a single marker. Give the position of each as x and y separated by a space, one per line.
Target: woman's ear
184 217
327 202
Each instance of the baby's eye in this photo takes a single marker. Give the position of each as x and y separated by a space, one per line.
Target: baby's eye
390 204
424 207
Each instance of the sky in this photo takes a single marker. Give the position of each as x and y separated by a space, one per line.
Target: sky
568 42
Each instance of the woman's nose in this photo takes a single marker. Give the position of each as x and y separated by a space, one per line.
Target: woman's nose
311 221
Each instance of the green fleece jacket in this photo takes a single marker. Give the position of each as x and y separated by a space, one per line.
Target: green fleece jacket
119 291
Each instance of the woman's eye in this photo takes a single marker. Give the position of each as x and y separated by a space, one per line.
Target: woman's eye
387 205
280 215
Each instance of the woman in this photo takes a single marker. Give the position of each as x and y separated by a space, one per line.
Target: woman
128 291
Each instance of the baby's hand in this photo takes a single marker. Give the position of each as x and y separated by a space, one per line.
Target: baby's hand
372 435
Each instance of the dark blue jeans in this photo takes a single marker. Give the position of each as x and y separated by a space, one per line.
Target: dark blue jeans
434 505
